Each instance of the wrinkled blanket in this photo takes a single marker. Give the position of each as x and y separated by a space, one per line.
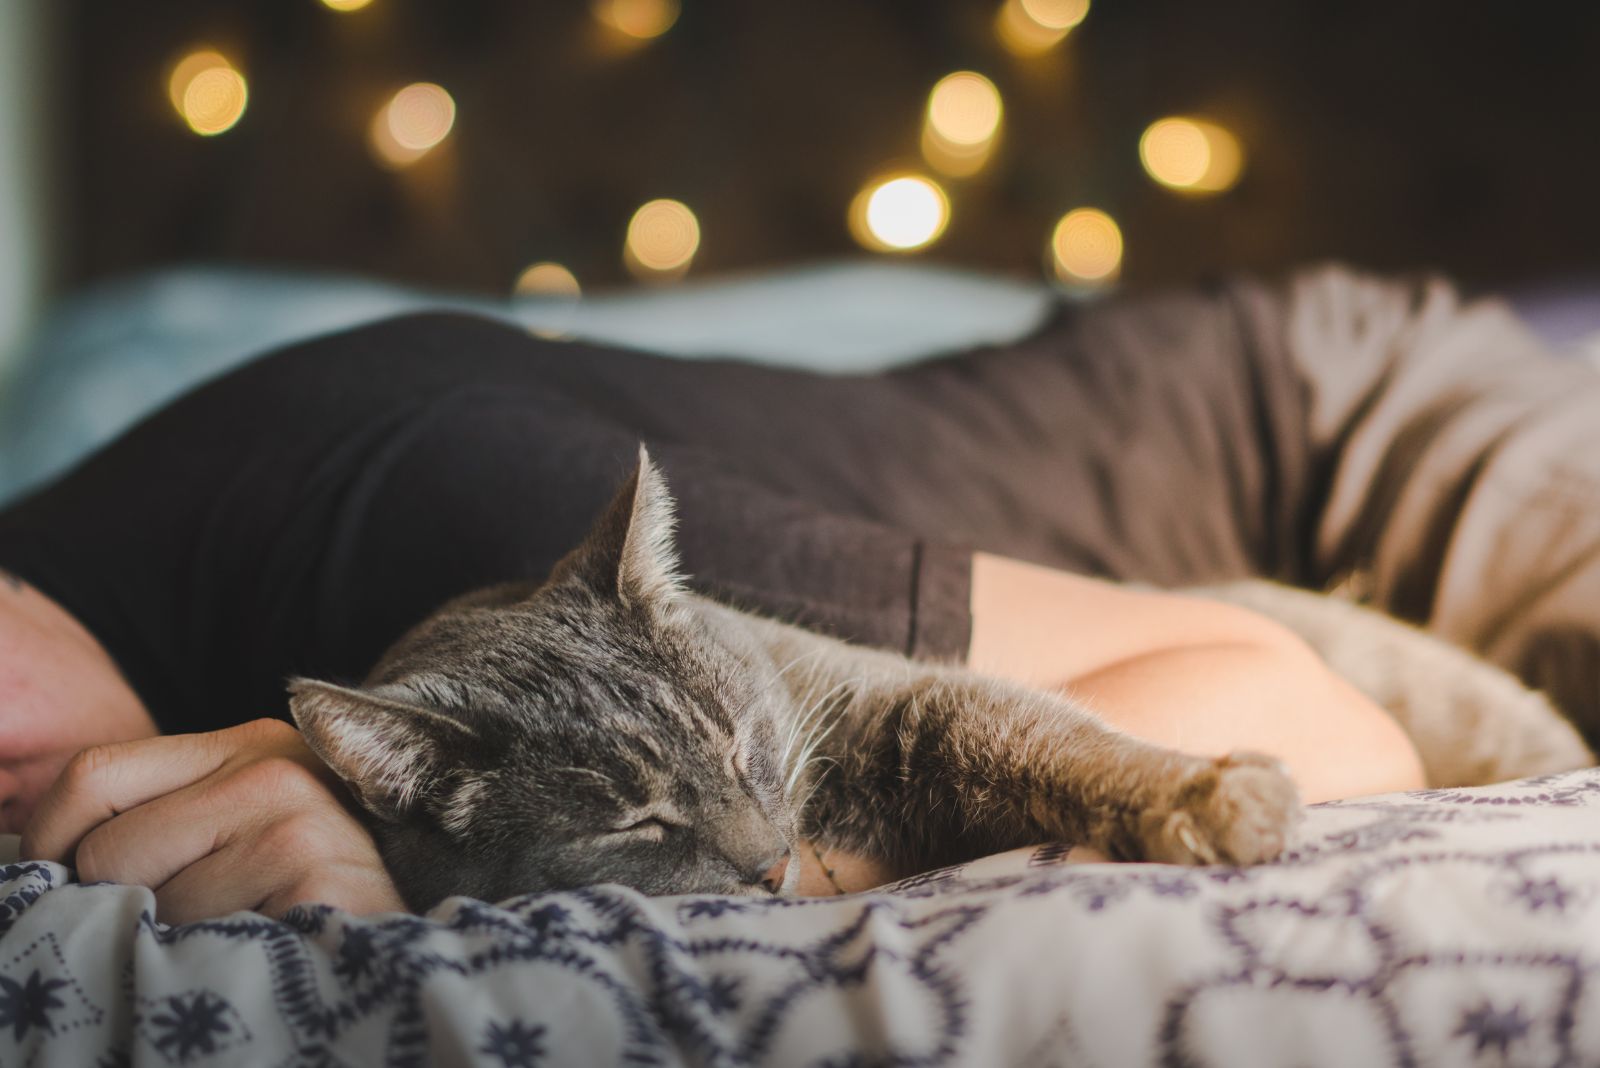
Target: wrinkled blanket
1451 927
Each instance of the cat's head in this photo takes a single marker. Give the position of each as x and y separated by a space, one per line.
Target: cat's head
589 729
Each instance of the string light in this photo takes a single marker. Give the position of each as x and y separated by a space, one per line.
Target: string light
556 285
547 279
899 214
663 237
184 71
207 92
1055 14
961 123
411 124
1029 27
1191 155
347 5
638 19
1086 247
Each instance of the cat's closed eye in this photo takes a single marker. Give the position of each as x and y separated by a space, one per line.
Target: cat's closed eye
650 828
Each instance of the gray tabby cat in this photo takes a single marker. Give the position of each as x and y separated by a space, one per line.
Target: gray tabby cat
610 726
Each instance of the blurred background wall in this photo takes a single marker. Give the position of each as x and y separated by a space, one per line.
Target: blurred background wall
27 106
1461 136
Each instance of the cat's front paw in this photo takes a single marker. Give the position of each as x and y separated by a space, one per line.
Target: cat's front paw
1241 809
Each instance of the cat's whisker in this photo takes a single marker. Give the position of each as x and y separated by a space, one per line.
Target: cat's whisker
809 746
778 674
788 740
793 741
816 784
791 737
805 758
797 732
812 655
804 723
816 734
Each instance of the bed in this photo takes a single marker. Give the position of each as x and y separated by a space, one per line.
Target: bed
1436 927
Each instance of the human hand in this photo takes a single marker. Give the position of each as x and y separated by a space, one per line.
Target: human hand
243 818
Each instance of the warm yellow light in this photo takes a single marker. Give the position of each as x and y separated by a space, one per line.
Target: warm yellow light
1191 155
389 152
960 124
214 100
548 279
556 284
639 19
207 92
1086 246
899 214
184 71
420 116
347 5
663 237
1029 27
1055 14
413 122
1175 152
955 161
964 108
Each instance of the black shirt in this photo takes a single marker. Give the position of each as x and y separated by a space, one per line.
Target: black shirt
295 516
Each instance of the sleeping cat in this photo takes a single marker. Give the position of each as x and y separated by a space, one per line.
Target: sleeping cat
608 725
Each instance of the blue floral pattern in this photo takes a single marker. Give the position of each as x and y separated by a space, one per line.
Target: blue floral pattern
188 1027
27 1005
514 1045
1450 927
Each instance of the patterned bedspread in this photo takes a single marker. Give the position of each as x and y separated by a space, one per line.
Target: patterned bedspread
1458 927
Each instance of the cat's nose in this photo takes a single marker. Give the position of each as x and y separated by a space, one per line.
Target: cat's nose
773 879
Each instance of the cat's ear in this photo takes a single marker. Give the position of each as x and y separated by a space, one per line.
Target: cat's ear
390 752
629 552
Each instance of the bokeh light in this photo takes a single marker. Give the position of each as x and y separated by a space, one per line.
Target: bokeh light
964 108
184 71
1086 247
663 237
420 116
899 214
638 19
1029 27
347 5
1191 155
558 288
412 123
547 279
207 92
961 123
1055 14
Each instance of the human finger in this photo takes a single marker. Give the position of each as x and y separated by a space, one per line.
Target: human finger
217 884
320 855
103 781
149 844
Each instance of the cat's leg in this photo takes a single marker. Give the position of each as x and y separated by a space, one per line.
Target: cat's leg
951 766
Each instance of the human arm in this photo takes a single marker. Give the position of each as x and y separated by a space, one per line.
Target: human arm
1199 676
240 818
59 693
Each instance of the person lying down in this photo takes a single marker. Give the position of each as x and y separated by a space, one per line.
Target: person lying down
883 636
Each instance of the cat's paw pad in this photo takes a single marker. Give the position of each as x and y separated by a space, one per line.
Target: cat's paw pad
1241 809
